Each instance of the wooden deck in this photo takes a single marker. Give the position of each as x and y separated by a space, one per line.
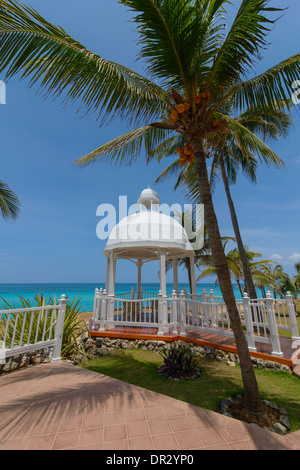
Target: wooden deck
224 343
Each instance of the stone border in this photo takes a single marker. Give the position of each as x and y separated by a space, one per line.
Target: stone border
281 427
20 361
98 346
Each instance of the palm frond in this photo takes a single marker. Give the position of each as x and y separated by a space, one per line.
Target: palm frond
126 148
248 141
169 36
9 202
61 66
242 45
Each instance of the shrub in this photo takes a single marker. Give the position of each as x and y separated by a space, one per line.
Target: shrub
179 362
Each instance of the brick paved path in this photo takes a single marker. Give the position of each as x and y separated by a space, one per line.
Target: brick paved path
60 406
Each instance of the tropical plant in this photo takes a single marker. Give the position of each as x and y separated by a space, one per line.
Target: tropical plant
179 362
24 328
235 265
278 281
196 64
9 202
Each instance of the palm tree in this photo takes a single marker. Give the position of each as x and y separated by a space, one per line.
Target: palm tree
199 252
235 265
273 124
196 66
9 202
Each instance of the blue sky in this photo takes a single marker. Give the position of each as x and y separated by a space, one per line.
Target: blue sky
54 240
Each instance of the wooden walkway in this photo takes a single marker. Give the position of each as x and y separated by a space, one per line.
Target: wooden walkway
224 343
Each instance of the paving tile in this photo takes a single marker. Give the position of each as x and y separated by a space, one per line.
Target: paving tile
155 412
134 415
240 445
114 433
159 426
65 407
219 447
138 429
43 442
15 444
141 443
91 436
121 444
165 442
188 439
231 435
114 417
210 436
66 440
180 424
93 419
91 447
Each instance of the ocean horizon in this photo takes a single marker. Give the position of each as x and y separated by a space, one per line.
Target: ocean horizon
10 293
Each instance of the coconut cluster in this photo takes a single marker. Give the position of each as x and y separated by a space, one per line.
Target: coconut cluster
186 154
180 113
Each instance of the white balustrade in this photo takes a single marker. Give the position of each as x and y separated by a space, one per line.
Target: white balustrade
261 318
27 329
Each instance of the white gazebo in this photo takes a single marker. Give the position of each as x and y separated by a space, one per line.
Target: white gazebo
148 235
145 236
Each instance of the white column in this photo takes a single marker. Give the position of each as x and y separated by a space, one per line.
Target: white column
275 339
111 291
292 315
107 274
163 284
59 328
139 279
175 275
111 277
249 323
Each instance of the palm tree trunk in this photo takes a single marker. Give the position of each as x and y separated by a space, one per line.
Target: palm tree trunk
253 400
246 268
188 265
239 286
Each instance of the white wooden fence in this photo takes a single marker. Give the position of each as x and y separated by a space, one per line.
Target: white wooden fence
262 319
27 329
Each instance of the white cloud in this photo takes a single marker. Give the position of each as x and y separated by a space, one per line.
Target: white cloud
276 256
295 257
296 160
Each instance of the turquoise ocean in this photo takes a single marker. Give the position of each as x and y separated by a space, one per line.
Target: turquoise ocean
85 292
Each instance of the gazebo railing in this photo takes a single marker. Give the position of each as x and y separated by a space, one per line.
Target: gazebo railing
262 319
157 312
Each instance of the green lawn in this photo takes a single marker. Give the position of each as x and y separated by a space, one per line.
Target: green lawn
218 381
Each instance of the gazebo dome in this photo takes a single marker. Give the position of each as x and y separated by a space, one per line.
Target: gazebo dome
148 198
146 232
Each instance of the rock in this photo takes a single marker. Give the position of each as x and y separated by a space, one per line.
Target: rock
284 420
224 406
124 345
280 429
283 411
10 366
231 364
38 359
273 405
89 344
99 342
